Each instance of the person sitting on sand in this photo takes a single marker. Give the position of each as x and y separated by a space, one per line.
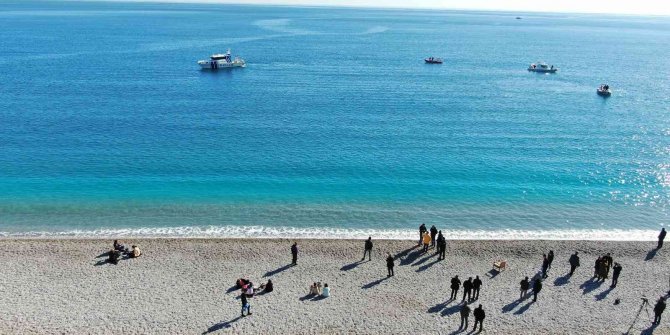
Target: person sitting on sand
135 252
268 287
326 291
313 290
114 256
249 290
118 246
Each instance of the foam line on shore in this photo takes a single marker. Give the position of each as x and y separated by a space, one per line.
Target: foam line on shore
340 233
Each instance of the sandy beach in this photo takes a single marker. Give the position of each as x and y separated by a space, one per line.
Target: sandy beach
184 286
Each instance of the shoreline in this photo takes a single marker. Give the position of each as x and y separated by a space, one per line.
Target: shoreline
184 285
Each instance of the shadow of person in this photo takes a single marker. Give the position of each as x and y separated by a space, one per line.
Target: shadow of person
307 297
509 307
560 281
374 283
651 254
602 295
404 252
221 325
427 266
277 270
439 307
590 285
451 310
410 257
350 266
103 262
104 254
232 289
423 260
650 330
524 308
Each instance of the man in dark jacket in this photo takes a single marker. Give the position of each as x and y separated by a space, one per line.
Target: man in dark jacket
476 285
294 252
574 263
661 237
658 310
616 271
524 286
537 287
467 289
441 245
422 229
433 234
550 258
455 285
465 315
479 317
545 266
368 249
389 265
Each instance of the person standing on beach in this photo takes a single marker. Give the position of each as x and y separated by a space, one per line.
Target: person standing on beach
426 241
476 285
433 234
294 253
524 286
545 266
608 261
245 304
658 311
467 289
455 285
537 287
368 249
479 318
465 315
596 268
389 265
661 237
422 230
616 271
574 263
550 258
441 245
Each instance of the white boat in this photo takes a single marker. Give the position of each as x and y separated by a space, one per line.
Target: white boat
542 67
221 61
604 90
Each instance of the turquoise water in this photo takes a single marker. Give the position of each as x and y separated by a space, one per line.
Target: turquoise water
336 127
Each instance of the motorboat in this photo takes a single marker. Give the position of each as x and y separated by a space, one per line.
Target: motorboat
221 61
433 60
542 67
604 90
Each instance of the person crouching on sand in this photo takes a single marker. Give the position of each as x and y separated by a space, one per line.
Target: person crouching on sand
326 291
313 290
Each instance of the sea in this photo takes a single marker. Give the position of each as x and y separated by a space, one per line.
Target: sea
336 128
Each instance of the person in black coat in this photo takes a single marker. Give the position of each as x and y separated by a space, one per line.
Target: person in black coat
294 253
524 286
550 258
661 237
658 310
422 229
465 315
368 249
574 263
389 265
537 287
616 271
545 266
455 285
479 317
467 289
433 233
441 245
476 285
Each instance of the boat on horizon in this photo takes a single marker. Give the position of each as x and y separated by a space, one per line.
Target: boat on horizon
542 67
604 90
221 61
433 60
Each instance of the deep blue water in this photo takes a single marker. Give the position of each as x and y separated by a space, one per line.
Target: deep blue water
106 121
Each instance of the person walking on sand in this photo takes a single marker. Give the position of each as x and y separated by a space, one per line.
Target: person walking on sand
441 245
616 271
433 234
545 266
550 258
422 229
245 305
658 311
294 253
465 315
479 318
537 287
574 263
389 265
524 287
476 285
426 241
368 249
467 289
661 237
455 285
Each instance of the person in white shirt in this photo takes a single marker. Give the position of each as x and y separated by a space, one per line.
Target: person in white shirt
326 291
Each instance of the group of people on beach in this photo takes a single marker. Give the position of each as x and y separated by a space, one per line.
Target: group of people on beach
248 290
119 250
432 238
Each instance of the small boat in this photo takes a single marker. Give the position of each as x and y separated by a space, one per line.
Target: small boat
518 17
221 61
542 67
604 90
433 60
